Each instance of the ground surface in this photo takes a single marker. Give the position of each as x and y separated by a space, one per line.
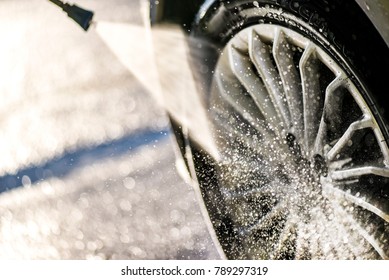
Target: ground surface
87 160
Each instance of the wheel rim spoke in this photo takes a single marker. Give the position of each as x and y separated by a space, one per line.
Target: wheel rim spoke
336 193
264 134
265 221
283 56
330 109
260 54
241 103
362 232
346 137
358 172
241 67
287 239
311 100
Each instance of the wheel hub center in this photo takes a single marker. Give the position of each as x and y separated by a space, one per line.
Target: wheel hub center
317 164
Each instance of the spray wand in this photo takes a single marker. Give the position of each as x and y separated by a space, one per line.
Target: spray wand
79 15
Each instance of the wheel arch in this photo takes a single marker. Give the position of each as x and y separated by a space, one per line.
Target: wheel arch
174 11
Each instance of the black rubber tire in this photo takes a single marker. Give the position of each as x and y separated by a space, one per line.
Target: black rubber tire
344 30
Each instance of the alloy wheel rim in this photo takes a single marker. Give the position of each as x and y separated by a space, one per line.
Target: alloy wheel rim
304 162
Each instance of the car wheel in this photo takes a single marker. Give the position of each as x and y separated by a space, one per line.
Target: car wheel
303 171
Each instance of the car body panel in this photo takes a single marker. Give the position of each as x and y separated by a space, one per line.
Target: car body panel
174 11
378 13
179 11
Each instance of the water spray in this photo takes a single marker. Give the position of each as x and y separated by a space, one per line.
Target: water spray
79 15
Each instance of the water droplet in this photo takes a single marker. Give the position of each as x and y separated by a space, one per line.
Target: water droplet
175 233
129 183
92 246
26 181
125 205
79 245
125 238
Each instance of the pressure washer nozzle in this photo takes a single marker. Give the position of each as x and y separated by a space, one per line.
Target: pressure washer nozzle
81 16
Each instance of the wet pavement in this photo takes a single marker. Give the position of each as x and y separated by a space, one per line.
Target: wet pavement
87 168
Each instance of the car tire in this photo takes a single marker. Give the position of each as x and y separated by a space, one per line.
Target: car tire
296 102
